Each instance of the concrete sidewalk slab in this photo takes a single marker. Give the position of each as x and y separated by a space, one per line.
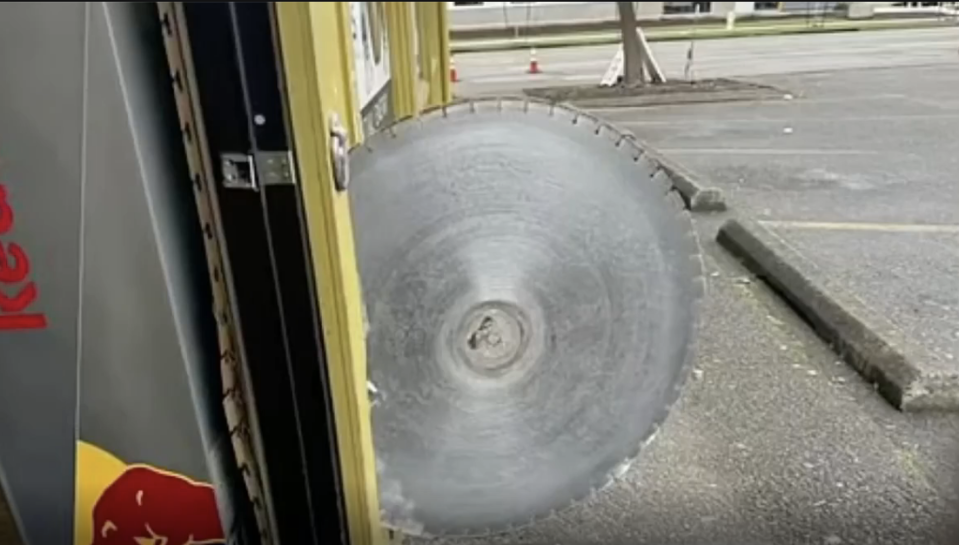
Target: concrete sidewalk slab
904 371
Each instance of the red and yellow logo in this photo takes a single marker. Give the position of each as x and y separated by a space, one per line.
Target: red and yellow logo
121 504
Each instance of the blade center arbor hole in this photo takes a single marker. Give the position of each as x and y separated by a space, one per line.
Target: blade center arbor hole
493 336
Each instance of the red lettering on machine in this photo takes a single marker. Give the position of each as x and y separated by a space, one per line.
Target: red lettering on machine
16 295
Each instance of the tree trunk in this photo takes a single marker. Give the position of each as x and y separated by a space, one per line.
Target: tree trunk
633 73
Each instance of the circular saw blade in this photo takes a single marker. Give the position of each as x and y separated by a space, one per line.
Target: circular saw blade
530 281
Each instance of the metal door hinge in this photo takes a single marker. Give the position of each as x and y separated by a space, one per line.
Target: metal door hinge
245 171
238 172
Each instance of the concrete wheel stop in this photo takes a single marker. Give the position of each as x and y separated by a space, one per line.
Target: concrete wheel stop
698 196
903 372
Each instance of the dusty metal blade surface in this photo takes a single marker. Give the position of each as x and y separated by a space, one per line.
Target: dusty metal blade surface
531 284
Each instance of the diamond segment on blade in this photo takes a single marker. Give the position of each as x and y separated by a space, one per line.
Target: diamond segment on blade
531 289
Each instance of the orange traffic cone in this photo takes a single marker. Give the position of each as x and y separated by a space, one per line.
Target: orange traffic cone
454 77
533 63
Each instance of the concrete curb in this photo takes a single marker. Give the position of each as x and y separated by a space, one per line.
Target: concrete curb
697 196
572 40
865 339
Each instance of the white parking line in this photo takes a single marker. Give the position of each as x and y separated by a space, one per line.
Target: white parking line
769 151
531 78
801 118
882 227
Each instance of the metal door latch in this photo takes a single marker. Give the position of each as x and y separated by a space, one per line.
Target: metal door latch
245 171
339 154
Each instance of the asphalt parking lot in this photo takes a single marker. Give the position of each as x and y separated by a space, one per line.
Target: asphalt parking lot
873 145
905 273
775 439
858 172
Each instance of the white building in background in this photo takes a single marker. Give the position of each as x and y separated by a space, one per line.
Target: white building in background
651 8
465 15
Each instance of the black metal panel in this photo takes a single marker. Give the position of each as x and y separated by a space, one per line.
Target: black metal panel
260 74
237 73
264 89
309 380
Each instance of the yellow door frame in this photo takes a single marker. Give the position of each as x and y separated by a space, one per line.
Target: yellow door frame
399 23
419 55
432 23
317 56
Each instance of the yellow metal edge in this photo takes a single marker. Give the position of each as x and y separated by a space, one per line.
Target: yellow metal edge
341 34
313 96
443 32
430 30
422 41
433 27
399 20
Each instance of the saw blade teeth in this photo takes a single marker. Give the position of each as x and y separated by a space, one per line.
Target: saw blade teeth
634 151
481 104
608 483
539 109
683 241
676 200
702 287
662 179
620 470
646 161
610 133
652 436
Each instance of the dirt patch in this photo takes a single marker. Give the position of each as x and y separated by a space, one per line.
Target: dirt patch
672 92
